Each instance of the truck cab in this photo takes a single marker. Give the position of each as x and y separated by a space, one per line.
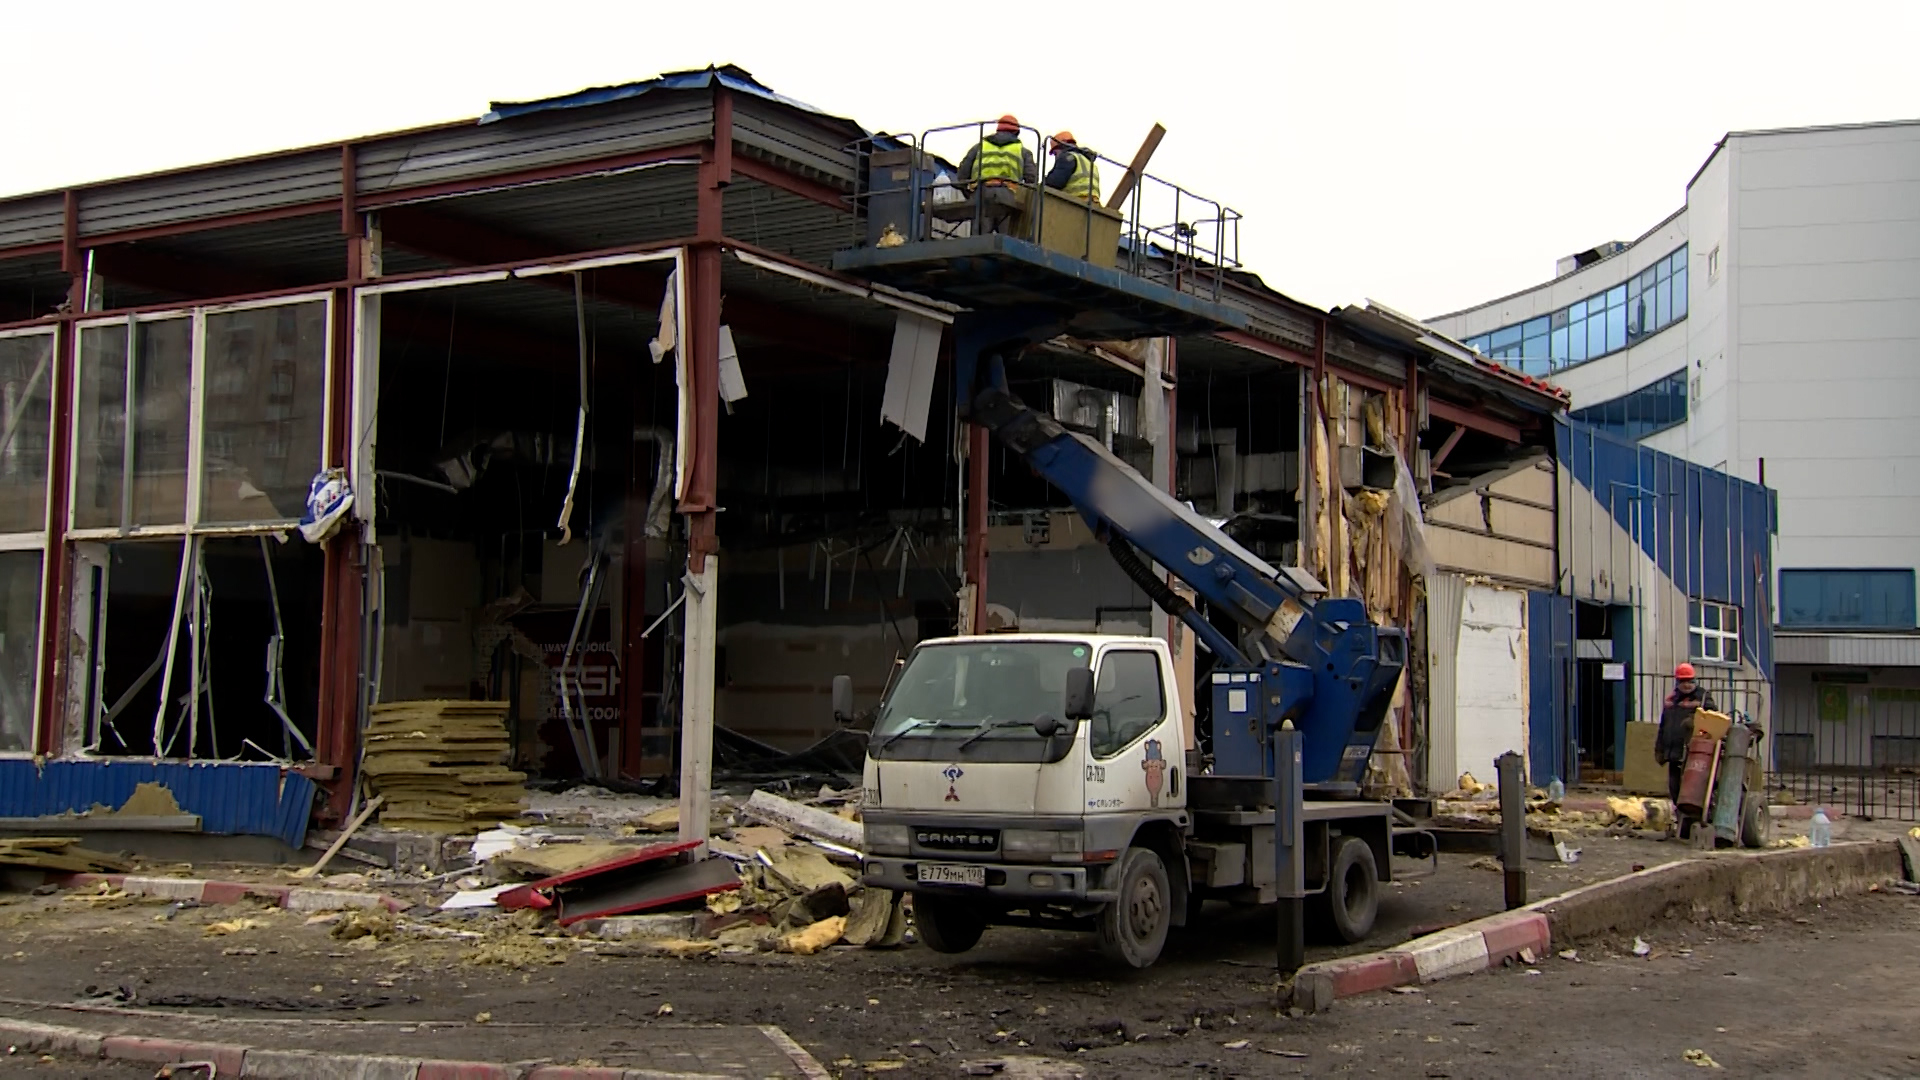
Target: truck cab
1033 779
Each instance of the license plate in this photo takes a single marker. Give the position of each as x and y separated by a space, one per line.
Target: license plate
938 874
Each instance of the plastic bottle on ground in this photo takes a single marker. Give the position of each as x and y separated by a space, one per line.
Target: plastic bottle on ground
1820 833
1556 791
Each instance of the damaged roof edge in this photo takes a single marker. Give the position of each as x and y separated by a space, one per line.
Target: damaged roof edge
728 76
1377 321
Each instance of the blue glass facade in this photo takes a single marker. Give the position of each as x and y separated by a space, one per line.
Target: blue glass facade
1855 599
1603 323
1656 406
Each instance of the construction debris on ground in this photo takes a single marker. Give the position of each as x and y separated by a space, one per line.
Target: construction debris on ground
59 854
777 875
1477 805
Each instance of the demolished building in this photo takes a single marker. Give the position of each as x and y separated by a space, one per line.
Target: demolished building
626 453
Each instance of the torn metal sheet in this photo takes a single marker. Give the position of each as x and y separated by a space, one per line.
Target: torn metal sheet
733 384
580 428
652 876
672 885
911 374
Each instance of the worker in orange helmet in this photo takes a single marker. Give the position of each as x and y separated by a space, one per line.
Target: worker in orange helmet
996 169
1076 171
1676 724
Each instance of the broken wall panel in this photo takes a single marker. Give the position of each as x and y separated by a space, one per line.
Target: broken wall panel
257 639
230 798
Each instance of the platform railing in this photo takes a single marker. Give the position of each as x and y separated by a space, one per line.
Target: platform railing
912 192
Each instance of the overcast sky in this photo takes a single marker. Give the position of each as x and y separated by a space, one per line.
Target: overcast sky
1426 155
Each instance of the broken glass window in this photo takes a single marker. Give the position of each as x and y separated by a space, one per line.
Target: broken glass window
161 384
19 646
265 403
26 416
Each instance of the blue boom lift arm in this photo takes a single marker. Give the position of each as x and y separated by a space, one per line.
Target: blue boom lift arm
1302 656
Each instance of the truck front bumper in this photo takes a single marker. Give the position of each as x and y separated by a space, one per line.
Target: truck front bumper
1022 881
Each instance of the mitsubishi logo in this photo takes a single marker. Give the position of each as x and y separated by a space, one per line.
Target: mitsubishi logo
952 773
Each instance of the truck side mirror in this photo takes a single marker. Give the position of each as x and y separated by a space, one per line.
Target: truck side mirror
1077 698
843 699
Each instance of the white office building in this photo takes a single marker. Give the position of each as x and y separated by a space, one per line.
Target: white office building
1770 327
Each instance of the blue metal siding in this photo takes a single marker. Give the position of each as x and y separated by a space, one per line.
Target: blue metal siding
1550 726
1707 532
231 798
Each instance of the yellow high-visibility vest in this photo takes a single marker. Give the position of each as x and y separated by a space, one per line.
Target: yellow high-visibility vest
1085 182
997 162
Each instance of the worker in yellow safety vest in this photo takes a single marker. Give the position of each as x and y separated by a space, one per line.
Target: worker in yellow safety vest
1075 172
1000 162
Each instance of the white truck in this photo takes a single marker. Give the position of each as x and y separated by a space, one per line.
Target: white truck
1043 780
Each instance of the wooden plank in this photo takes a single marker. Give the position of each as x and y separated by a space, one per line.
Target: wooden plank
1136 168
345 835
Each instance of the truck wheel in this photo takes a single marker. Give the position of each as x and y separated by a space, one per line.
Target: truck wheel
1353 889
1133 929
948 924
1756 821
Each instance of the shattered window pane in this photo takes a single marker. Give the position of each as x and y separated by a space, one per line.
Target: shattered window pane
26 415
265 404
19 646
162 397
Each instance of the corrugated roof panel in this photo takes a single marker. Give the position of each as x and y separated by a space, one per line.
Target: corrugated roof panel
589 213
793 139
781 221
471 154
34 220
265 184
232 798
292 250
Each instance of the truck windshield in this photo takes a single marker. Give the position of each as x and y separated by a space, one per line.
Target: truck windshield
983 694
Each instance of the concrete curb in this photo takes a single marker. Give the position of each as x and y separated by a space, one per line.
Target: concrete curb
25 1037
199 890
1727 885
1459 950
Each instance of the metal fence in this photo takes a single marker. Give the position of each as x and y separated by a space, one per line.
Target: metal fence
1158 230
1745 698
1853 749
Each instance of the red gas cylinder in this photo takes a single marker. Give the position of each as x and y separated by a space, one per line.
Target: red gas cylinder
1697 776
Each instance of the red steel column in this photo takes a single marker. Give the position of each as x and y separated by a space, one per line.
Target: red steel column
55 581
633 586
343 572
700 499
56 592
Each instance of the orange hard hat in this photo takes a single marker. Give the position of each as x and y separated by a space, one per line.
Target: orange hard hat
1684 671
1065 138
1009 123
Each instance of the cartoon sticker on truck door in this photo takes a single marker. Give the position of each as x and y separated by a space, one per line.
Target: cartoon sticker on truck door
1155 766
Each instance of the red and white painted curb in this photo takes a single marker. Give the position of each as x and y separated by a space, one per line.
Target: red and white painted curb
1461 950
18 1037
291 897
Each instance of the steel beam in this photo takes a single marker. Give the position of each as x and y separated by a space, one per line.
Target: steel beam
774 176
1465 417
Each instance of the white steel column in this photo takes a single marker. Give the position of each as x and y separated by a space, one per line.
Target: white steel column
696 700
